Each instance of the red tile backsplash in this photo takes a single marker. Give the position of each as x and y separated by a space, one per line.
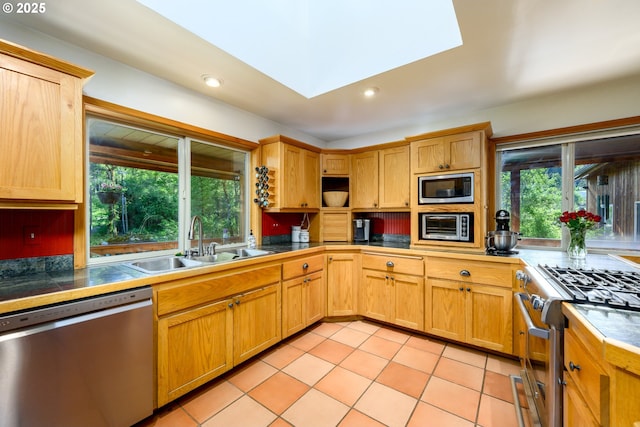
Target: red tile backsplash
389 222
35 233
276 224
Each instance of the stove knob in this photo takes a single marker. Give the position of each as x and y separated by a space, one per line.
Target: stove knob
537 302
521 275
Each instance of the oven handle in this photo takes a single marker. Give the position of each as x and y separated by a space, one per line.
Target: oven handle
533 329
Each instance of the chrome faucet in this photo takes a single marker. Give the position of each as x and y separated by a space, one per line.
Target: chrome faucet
195 219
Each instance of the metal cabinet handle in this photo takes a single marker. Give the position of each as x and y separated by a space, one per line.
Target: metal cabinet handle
446 166
461 288
573 367
230 305
441 166
390 264
465 273
330 258
468 289
237 302
305 266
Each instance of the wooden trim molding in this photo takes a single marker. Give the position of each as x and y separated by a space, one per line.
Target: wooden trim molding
569 130
126 115
290 141
43 59
484 126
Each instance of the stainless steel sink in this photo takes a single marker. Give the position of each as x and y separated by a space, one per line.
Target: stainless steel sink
246 252
164 264
172 263
231 254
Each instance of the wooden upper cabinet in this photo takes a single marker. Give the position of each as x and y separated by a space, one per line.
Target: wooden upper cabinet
364 180
394 177
447 153
295 173
40 127
380 178
335 164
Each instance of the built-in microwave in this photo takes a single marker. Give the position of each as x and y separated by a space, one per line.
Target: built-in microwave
449 188
456 227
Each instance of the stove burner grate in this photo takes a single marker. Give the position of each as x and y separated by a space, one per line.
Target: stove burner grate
618 289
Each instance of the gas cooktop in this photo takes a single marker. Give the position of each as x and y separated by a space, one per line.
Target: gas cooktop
618 289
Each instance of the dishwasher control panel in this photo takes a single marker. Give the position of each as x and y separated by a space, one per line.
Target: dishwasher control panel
17 320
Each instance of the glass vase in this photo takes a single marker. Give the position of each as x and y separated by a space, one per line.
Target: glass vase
578 244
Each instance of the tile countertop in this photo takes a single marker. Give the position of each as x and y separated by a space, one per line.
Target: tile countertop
117 276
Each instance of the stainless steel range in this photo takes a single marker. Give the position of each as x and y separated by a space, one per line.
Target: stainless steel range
617 289
543 289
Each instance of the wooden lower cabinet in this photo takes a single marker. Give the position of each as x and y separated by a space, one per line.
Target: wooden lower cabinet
393 298
303 301
390 295
343 277
199 339
470 301
303 293
194 347
471 313
256 322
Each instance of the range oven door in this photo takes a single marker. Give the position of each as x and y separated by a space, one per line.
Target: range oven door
536 354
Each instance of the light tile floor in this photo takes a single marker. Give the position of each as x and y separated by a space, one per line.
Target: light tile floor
354 374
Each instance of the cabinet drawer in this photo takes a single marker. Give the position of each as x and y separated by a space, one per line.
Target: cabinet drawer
470 271
297 268
394 263
588 377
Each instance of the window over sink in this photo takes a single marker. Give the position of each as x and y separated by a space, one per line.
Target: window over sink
144 186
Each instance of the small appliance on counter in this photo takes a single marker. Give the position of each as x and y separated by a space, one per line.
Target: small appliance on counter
361 230
502 240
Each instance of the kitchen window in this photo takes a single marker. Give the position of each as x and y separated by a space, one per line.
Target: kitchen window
145 185
537 181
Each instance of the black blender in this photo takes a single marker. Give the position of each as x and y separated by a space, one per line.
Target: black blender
503 240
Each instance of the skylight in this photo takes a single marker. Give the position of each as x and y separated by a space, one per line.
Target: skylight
314 47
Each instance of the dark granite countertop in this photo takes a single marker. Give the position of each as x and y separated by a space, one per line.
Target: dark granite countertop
618 324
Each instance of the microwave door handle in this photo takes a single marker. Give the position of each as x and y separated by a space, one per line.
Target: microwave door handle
533 329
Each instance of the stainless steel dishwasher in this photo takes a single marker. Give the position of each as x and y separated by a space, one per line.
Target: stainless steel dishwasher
82 363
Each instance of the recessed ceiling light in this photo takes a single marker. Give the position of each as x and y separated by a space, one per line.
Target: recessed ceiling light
370 92
211 81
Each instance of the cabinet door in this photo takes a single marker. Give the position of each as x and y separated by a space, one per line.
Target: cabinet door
394 177
316 298
489 315
576 412
464 150
310 197
256 322
408 301
293 296
40 133
335 164
377 295
445 309
343 273
336 226
193 347
292 184
428 155
364 187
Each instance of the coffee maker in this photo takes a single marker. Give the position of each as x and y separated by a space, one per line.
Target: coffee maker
502 240
361 230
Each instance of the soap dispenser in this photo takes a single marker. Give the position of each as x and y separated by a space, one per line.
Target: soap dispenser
251 241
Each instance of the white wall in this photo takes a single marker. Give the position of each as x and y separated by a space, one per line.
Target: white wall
130 87
608 101
124 85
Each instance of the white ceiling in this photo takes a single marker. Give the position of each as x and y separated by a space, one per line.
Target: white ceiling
512 50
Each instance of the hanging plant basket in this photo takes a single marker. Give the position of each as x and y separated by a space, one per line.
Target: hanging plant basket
109 197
